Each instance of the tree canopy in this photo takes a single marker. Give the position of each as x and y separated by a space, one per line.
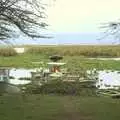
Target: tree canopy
24 15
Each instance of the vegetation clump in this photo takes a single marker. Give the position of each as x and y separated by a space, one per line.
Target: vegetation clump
77 50
63 88
6 52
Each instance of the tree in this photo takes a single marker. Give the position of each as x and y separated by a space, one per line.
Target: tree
111 29
24 15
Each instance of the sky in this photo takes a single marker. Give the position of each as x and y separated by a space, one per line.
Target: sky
79 21
82 15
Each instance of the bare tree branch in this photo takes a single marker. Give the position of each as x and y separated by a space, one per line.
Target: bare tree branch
26 15
111 29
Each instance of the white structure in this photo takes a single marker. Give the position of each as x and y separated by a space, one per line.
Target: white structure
19 50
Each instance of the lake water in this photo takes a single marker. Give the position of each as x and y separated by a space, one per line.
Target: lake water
20 73
106 78
116 59
15 75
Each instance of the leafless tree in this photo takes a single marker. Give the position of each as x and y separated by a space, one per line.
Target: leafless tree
111 29
28 16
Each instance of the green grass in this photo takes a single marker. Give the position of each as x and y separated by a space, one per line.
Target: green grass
73 63
44 107
24 60
76 57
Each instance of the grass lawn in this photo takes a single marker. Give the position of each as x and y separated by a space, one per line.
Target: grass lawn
46 107
74 62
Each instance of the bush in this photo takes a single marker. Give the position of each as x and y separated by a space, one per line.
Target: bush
7 52
80 50
63 88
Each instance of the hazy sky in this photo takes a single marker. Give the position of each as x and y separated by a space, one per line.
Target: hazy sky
82 15
78 21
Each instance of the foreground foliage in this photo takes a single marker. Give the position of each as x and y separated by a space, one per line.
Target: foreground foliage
58 87
25 15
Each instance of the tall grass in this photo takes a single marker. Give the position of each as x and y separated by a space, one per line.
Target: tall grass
7 52
80 50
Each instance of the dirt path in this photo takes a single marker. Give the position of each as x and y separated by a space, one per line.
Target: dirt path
71 111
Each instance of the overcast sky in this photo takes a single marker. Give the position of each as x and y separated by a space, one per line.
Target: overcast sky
82 15
78 21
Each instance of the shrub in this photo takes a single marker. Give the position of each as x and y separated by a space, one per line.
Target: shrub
63 88
24 78
7 52
80 50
